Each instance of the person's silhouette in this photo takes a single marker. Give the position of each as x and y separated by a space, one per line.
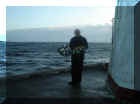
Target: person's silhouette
78 45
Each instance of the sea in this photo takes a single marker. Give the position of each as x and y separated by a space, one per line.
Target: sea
2 59
18 58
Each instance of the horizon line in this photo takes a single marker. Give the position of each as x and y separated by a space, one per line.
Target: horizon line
56 27
49 42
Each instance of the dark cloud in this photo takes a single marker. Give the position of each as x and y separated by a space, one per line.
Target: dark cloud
98 33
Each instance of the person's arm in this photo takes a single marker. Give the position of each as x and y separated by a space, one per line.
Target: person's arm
85 43
71 44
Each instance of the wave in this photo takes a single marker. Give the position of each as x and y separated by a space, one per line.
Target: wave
37 73
25 59
42 72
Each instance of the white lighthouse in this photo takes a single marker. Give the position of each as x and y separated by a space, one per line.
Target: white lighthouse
124 69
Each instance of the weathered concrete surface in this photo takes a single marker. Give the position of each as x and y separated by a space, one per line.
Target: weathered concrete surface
56 87
93 85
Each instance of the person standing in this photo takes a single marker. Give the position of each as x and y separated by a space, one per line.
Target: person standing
78 45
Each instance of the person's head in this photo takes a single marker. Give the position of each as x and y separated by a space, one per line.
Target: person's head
77 32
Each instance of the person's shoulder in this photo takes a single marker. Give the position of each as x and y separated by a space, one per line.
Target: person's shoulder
83 37
72 38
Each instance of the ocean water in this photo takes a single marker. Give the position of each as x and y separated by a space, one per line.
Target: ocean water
32 57
2 59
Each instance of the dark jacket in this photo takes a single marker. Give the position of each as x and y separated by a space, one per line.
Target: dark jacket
78 41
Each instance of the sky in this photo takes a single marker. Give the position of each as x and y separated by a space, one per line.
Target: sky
64 13
22 17
53 23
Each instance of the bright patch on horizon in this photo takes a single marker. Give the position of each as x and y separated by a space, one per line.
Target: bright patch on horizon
2 37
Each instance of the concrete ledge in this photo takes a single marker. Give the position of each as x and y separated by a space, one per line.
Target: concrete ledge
47 74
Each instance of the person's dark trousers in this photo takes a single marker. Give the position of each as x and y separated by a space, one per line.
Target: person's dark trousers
77 68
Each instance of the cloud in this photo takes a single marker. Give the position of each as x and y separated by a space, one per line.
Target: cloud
98 33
